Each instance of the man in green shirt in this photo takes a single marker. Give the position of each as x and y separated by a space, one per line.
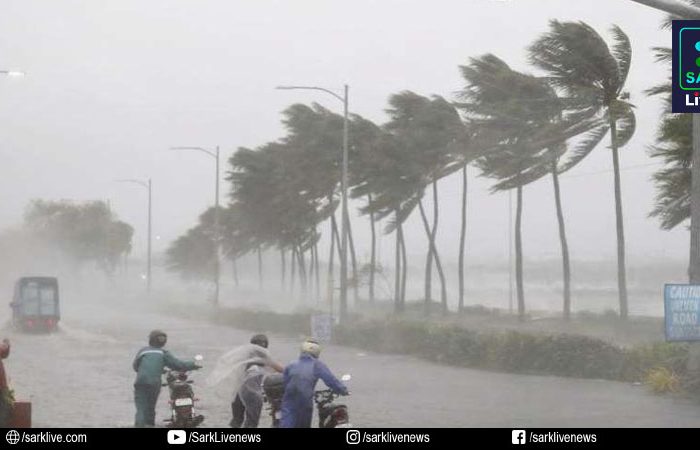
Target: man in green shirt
148 364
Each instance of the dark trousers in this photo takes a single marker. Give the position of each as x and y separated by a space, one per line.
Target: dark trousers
245 410
145 398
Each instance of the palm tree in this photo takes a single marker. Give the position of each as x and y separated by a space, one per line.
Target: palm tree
674 146
593 75
522 126
362 158
396 185
274 202
431 131
193 254
315 135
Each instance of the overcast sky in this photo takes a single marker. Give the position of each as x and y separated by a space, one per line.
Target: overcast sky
111 84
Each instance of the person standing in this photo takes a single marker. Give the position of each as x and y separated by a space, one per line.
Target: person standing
248 400
6 398
148 365
300 378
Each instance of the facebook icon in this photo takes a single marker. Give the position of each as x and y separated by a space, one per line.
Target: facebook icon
518 437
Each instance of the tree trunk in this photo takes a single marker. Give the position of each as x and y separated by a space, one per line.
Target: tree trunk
462 239
438 264
397 267
566 270
318 271
292 277
302 273
519 255
353 258
284 267
260 274
621 270
310 273
336 234
433 236
235 271
427 300
329 279
404 268
372 259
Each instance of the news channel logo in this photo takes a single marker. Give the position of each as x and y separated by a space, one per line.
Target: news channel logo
518 437
685 79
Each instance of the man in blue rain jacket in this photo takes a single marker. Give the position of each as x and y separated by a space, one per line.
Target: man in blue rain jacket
300 378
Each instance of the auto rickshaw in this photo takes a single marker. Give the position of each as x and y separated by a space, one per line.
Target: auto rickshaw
35 304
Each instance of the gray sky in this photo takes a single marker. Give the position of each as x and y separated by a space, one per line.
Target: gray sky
112 84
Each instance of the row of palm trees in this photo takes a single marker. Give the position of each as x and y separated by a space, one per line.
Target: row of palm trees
516 128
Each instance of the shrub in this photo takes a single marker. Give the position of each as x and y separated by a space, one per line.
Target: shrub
662 380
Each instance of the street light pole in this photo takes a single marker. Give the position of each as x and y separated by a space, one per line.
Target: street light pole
686 11
344 228
673 7
150 234
145 184
344 192
217 234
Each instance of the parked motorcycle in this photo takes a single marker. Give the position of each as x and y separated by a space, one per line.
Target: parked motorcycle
273 388
182 401
331 414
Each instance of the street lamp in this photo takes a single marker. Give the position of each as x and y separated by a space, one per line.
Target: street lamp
217 243
344 189
673 7
146 184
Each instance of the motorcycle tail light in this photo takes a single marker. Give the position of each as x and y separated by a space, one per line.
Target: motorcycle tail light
340 415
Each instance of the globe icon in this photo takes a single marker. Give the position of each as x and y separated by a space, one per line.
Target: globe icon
12 437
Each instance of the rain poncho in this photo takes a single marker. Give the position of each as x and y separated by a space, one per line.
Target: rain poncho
242 368
300 379
246 407
233 364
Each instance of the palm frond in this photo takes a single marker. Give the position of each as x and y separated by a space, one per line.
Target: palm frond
622 50
589 141
625 121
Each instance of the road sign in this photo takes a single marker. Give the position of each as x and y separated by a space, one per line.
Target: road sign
322 327
682 312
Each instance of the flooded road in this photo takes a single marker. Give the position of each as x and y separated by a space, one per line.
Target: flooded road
82 377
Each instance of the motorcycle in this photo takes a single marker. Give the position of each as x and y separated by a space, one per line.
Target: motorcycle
273 389
331 414
182 400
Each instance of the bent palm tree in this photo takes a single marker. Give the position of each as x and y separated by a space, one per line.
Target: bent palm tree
592 76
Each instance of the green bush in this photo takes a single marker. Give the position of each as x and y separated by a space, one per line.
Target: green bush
640 359
510 351
565 355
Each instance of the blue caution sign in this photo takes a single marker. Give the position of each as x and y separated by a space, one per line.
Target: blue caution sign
682 312
322 327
